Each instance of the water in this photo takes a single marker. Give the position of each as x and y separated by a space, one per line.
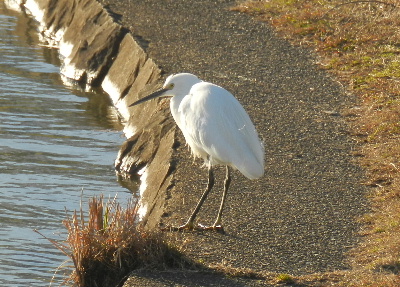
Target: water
54 142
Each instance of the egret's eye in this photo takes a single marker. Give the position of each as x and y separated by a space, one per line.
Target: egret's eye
171 86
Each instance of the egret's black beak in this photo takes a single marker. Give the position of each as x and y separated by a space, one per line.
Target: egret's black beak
156 94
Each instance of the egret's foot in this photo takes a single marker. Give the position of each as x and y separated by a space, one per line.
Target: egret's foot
187 226
218 228
190 227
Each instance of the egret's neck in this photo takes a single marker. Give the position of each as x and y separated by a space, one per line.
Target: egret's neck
180 91
174 106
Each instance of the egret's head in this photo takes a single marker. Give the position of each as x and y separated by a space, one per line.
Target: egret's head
175 85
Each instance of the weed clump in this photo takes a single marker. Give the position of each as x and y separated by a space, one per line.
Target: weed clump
109 243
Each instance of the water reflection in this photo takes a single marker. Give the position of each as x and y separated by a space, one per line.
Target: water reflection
54 142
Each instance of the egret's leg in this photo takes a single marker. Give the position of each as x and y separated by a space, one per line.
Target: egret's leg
227 182
190 223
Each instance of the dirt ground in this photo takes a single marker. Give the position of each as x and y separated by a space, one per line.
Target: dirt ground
301 217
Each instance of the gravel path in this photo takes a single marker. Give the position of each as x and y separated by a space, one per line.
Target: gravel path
301 216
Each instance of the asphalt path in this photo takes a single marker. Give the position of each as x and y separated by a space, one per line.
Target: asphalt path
301 217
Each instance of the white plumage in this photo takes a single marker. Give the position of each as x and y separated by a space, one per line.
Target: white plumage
217 129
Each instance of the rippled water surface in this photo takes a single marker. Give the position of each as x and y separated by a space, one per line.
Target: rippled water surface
54 142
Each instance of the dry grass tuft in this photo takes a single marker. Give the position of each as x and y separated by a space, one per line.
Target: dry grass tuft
359 42
107 244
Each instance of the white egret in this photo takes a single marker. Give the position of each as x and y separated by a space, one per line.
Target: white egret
217 129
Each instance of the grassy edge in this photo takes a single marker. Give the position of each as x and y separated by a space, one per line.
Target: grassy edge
356 42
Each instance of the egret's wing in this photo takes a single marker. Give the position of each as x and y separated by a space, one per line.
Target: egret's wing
215 124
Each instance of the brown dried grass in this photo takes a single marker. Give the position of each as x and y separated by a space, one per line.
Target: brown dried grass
359 42
108 243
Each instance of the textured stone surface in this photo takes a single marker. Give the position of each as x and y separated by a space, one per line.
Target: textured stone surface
95 38
88 37
150 147
131 71
124 69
